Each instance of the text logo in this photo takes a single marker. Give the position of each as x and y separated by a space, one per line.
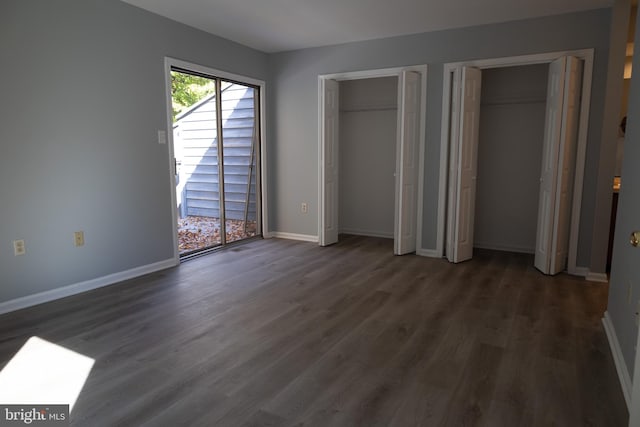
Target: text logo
34 415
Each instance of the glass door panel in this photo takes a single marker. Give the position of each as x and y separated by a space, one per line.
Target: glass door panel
196 159
240 137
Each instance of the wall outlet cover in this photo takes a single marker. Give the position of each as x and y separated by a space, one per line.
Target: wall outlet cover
19 247
78 238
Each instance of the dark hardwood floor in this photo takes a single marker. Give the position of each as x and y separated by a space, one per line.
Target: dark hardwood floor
284 333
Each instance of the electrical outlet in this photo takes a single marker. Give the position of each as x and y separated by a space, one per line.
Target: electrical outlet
78 238
18 247
304 207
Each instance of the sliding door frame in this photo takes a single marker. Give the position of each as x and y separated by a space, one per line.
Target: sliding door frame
261 163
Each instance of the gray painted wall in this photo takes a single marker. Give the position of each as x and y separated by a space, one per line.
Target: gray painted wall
83 98
293 117
512 117
603 177
624 265
368 122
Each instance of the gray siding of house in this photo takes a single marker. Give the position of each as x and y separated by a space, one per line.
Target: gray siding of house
195 131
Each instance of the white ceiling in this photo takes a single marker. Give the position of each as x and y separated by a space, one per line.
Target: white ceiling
279 25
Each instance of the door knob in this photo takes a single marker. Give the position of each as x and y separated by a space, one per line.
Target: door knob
635 238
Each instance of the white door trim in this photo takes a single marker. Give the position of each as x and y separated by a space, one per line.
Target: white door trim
543 58
261 169
367 74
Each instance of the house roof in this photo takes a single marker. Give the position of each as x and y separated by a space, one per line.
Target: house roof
193 107
206 99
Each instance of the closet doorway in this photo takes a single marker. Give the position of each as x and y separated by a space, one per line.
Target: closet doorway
561 161
388 204
512 116
367 151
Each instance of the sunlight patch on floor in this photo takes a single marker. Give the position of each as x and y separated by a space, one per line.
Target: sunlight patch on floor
44 373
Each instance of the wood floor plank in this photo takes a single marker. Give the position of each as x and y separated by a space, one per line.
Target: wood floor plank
472 398
284 333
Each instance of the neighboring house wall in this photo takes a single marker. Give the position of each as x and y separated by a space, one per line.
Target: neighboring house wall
368 122
512 115
83 97
195 139
293 126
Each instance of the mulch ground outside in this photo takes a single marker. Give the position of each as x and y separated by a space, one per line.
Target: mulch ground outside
199 232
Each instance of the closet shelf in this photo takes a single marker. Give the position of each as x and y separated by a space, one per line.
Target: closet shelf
508 101
357 109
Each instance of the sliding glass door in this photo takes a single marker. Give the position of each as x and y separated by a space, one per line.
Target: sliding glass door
216 148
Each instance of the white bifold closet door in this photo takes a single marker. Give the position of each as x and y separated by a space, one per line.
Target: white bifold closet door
464 148
407 152
329 161
557 172
558 164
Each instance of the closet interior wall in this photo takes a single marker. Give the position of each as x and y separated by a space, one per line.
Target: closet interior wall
512 119
367 152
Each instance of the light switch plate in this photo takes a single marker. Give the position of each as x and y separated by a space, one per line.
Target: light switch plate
18 247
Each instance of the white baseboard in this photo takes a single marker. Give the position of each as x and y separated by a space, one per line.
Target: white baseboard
431 253
294 236
579 271
88 285
621 366
368 233
597 277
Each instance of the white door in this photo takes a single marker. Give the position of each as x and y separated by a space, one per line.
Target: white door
558 164
566 164
467 162
454 144
550 153
407 163
329 162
